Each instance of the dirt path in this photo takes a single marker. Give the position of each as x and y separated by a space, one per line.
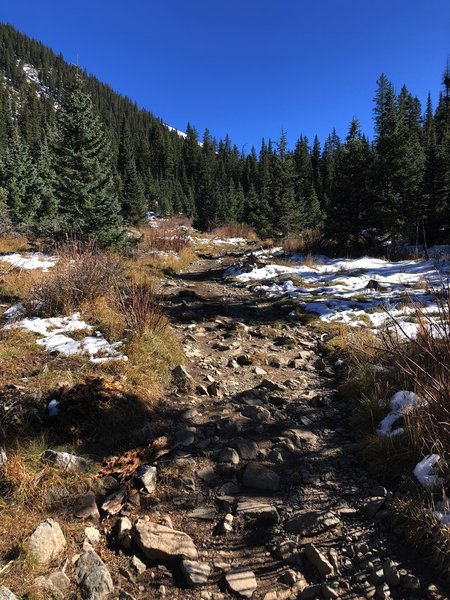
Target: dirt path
264 464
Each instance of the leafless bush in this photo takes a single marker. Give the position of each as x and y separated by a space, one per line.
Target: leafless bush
423 363
169 235
81 273
140 307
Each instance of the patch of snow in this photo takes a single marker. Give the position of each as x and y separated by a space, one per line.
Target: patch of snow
400 403
34 260
423 471
54 339
441 512
14 312
52 408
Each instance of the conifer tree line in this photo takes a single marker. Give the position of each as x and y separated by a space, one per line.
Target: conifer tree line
77 158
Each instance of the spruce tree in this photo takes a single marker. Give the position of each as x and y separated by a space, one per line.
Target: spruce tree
132 189
85 191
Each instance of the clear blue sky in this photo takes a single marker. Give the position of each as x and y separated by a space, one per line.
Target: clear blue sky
248 67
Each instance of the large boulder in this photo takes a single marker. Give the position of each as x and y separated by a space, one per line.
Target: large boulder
66 461
158 542
46 543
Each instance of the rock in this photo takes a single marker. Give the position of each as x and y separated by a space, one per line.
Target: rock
87 508
195 573
201 390
241 582
289 577
146 476
123 595
318 560
55 585
138 565
383 592
244 360
145 435
214 389
3 459
226 526
311 592
160 542
182 380
287 551
123 529
92 577
257 413
6 594
184 437
268 384
328 592
248 449
56 493
204 513
373 505
92 535
261 478
207 474
46 543
379 491
411 582
228 455
391 573
259 371
308 523
259 510
377 576
66 461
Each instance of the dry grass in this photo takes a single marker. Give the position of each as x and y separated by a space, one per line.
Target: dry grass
81 273
423 365
309 241
13 242
17 285
235 230
168 235
140 308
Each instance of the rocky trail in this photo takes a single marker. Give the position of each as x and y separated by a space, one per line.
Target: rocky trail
246 483
264 478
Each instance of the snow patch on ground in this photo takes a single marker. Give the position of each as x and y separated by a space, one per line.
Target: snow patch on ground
53 338
368 292
400 403
423 471
33 260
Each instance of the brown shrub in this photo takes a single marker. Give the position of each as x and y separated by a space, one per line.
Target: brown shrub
81 273
140 307
167 235
236 230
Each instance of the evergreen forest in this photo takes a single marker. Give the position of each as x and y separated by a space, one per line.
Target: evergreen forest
76 158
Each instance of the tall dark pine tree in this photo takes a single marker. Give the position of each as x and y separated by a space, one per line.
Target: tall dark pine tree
85 191
350 206
131 190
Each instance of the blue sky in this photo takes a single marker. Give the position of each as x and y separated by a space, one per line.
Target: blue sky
249 67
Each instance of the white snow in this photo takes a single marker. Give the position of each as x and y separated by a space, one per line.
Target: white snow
33 260
52 408
53 332
441 512
400 403
364 292
423 471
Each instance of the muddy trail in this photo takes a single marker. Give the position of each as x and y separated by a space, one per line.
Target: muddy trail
262 474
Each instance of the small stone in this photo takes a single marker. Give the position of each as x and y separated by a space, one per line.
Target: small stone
145 435
411 582
308 523
373 505
227 524
228 455
289 577
328 592
185 437
242 582
379 491
146 476
123 529
195 572
92 535
87 508
160 542
377 576
318 560
391 573
93 577
260 510
383 592
66 461
259 371
6 594
268 384
47 542
182 380
261 478
214 389
138 565
311 592
248 449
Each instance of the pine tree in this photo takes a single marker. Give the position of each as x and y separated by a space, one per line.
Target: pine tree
85 191
132 188
43 188
350 203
